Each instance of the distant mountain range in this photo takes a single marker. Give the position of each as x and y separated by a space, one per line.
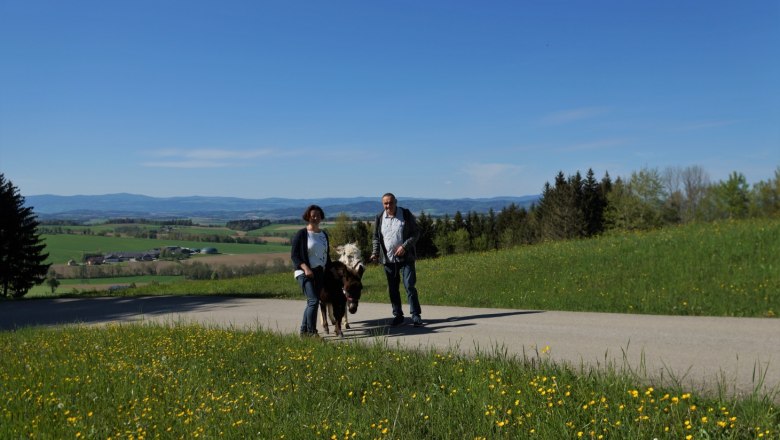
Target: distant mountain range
124 205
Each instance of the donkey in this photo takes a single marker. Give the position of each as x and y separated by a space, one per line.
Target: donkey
351 255
341 291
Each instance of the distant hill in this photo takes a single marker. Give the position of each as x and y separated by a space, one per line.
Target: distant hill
232 208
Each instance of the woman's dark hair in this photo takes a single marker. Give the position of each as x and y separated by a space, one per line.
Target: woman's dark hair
307 213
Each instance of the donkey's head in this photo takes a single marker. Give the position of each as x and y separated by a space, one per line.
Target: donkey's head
352 257
351 285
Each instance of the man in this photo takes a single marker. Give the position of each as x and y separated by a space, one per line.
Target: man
393 245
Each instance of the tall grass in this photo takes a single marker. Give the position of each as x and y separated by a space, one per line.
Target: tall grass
182 381
720 269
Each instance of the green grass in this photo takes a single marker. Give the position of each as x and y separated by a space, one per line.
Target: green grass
64 247
283 229
726 269
183 381
67 285
723 269
188 381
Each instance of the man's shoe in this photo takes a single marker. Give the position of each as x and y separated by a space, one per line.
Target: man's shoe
398 320
417 321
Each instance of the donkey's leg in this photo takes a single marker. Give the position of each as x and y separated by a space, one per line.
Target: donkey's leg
324 312
340 311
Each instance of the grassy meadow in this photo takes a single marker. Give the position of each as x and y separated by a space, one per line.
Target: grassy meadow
68 286
182 381
722 269
187 381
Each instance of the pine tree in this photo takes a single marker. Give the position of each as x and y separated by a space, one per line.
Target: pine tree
425 246
513 228
560 212
595 202
21 248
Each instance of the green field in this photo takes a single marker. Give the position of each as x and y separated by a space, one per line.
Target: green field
721 269
135 381
64 247
68 285
281 230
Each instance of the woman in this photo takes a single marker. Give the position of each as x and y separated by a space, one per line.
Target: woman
310 255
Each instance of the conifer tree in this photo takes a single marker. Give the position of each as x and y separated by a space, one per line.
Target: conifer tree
560 212
489 229
595 202
425 246
21 248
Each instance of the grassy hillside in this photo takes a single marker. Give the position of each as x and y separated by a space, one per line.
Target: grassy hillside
721 269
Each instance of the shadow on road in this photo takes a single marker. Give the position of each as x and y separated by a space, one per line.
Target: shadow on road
18 314
376 327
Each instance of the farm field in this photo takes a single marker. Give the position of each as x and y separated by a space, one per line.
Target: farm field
280 229
68 242
71 277
64 247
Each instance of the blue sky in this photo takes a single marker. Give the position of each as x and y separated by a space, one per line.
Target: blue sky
442 99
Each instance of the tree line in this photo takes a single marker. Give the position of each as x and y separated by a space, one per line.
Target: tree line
574 207
247 225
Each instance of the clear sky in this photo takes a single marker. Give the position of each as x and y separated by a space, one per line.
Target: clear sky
424 98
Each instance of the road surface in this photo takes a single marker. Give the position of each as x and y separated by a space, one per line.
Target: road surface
699 352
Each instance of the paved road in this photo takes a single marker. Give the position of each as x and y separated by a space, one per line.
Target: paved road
701 352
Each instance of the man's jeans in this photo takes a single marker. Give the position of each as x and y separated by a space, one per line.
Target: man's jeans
406 271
